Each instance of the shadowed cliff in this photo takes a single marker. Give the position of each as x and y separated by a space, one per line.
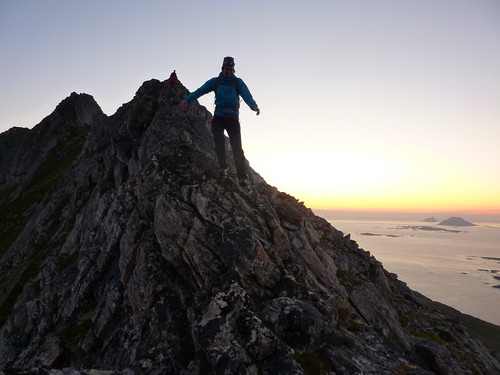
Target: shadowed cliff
121 249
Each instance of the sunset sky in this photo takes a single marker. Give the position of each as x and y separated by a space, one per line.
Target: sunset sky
365 105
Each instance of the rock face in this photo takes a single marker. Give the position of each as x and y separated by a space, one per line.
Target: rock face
121 250
456 222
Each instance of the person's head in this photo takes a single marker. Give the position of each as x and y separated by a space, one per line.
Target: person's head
228 66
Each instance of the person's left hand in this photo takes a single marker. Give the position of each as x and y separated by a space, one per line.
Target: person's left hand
256 109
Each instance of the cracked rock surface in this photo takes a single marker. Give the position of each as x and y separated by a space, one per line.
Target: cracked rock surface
123 251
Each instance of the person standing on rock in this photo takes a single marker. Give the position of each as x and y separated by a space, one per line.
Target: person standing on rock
228 89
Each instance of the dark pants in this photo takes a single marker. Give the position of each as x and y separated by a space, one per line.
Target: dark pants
232 126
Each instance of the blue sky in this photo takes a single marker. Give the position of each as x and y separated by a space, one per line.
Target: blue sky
365 104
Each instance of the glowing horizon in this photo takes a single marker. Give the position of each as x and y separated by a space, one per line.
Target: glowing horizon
414 204
364 179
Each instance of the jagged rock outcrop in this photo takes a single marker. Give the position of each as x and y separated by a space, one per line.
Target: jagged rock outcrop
121 250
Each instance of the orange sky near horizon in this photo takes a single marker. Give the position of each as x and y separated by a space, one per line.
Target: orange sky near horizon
377 180
486 202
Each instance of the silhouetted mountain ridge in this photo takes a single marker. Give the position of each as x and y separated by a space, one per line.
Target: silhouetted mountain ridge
456 222
121 249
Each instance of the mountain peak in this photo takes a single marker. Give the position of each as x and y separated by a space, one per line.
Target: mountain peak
80 108
124 250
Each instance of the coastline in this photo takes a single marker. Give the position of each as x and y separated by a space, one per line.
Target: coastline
446 264
457 266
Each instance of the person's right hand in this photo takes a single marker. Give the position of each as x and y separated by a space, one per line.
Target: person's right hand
183 105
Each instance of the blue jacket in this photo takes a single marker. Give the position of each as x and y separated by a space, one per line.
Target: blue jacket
227 92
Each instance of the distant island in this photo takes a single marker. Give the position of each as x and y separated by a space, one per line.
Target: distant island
431 219
428 228
456 222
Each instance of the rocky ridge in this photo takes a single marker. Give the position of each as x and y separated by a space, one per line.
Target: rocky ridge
121 250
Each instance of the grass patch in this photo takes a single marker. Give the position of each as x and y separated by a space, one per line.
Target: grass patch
345 277
75 331
485 332
431 336
20 276
313 363
17 207
404 320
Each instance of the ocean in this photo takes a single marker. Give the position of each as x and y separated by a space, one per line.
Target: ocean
457 266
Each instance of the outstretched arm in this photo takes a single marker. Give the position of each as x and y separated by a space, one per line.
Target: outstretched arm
247 96
205 89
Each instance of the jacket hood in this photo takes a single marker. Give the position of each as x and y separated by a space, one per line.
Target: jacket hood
228 78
